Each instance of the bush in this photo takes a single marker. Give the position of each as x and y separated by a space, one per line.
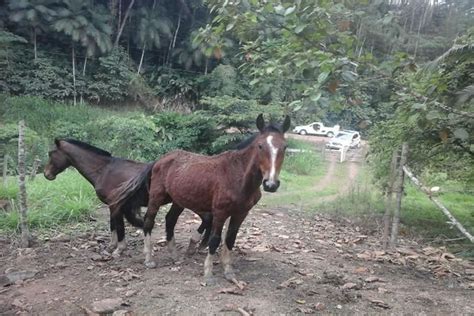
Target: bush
191 132
129 137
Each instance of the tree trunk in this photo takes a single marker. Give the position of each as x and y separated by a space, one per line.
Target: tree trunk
389 201
399 192
207 63
119 14
173 43
74 73
5 170
141 59
84 77
25 234
119 33
34 43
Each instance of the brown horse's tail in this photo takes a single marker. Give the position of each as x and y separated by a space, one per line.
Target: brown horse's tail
132 194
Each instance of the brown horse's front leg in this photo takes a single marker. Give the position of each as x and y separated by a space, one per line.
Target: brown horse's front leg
232 230
214 241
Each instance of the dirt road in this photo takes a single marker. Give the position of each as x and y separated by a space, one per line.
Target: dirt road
292 264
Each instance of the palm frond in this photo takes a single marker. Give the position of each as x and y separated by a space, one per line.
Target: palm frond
458 51
465 94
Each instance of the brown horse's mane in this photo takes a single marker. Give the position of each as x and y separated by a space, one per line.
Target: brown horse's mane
88 147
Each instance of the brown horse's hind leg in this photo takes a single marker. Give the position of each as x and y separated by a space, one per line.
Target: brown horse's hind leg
154 203
214 241
231 234
171 220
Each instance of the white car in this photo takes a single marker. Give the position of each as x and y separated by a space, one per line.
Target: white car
345 138
316 128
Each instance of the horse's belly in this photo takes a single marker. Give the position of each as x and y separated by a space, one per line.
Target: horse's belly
193 195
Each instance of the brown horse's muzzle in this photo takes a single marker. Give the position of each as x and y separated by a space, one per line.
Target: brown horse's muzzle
48 175
271 186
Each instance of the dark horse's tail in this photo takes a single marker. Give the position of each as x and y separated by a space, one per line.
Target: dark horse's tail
131 195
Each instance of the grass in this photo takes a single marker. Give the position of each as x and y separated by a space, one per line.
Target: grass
68 199
419 216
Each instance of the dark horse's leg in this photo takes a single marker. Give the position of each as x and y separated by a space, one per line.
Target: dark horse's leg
113 234
214 241
171 220
205 228
120 229
232 230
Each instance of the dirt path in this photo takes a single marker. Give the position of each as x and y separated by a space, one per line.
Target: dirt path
292 264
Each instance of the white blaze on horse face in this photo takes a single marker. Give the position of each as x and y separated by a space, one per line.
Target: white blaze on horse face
273 156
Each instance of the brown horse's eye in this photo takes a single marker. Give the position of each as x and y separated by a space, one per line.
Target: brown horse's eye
260 146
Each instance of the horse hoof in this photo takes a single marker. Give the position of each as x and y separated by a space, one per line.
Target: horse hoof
210 281
190 252
150 264
229 276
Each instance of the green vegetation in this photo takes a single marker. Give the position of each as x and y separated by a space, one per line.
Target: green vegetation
68 199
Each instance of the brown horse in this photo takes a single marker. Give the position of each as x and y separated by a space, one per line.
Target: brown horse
226 185
106 173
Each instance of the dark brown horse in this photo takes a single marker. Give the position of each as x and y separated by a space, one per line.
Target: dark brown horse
226 185
106 173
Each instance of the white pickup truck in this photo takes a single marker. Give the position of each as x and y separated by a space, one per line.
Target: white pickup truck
317 128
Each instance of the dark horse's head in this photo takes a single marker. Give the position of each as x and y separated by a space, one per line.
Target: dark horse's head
57 163
271 146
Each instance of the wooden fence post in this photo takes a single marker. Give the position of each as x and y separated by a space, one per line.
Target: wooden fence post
34 170
25 234
5 170
399 192
387 217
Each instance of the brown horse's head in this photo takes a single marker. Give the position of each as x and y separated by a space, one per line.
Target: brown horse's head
58 161
271 146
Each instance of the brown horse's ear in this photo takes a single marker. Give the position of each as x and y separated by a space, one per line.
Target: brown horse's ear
56 141
260 122
286 124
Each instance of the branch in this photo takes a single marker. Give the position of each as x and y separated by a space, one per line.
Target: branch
437 203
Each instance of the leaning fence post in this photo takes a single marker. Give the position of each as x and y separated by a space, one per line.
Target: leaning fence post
387 217
5 170
399 192
25 234
34 170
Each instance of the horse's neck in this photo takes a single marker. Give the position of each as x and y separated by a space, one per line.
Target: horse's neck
252 176
89 164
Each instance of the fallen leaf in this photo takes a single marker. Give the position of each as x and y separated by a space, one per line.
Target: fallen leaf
300 301
231 290
291 282
350 286
361 270
379 303
372 279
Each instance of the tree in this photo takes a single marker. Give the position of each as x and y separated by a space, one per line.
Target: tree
35 14
86 24
152 27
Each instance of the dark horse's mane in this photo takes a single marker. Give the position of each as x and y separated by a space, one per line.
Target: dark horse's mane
245 143
89 147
